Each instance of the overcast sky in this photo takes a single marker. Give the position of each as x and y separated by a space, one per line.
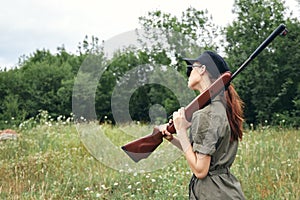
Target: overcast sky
27 25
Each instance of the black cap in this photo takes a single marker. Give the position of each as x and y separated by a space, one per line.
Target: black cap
214 63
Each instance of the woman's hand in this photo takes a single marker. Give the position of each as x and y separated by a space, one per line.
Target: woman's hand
167 135
180 122
181 125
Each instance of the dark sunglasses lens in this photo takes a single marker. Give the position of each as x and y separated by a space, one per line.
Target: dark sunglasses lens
188 71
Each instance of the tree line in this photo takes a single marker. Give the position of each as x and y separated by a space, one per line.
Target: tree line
270 87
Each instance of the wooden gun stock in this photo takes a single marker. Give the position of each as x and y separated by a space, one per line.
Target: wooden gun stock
143 147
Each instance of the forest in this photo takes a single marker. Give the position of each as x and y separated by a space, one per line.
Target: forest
63 83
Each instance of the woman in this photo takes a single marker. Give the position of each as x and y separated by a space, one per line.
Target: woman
214 133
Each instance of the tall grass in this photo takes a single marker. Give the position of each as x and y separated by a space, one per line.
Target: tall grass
268 164
49 161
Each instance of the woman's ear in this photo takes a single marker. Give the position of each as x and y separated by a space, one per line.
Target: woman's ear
202 69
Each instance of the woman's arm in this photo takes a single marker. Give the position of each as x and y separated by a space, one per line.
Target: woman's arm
199 163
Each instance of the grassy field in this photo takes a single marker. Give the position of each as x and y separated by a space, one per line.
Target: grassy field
50 162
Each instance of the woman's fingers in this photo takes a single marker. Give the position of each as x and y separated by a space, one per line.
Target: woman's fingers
165 132
180 121
175 114
181 110
167 135
179 113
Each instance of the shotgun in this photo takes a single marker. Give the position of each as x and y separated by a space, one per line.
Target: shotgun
143 147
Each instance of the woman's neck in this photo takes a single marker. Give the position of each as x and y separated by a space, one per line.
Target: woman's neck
204 84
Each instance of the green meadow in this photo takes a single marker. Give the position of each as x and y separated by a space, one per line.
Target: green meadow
49 161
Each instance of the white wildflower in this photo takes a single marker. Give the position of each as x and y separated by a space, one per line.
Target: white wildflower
98 195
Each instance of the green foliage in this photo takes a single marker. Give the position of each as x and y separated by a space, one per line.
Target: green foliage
11 112
270 84
43 81
270 87
186 36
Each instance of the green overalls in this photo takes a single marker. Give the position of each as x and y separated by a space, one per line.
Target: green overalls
210 135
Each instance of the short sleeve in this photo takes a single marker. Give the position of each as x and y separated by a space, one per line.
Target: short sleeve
204 132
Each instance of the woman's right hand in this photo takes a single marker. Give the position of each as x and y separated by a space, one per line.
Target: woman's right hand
167 135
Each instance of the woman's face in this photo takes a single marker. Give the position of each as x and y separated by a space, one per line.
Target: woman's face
195 77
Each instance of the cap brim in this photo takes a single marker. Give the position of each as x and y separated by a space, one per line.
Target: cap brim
190 61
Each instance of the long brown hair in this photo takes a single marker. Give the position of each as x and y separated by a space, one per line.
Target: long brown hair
234 110
235 114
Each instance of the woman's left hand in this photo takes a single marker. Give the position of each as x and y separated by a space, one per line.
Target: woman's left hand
180 121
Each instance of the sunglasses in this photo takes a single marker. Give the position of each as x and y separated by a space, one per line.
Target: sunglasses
190 68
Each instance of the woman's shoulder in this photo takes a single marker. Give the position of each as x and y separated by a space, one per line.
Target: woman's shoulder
215 108
202 113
